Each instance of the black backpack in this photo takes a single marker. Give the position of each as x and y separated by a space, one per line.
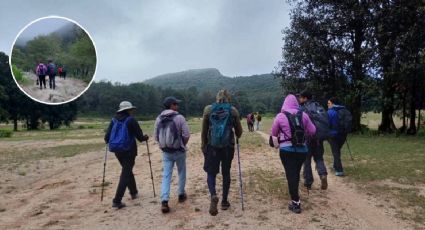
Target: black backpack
297 128
319 116
345 120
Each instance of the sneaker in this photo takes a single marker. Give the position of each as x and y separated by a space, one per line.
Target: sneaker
339 174
225 205
324 181
295 207
119 205
164 207
182 198
135 196
213 205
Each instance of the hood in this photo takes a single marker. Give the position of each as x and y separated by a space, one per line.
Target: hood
290 103
168 112
121 115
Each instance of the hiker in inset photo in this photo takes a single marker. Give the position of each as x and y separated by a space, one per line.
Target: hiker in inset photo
258 123
220 124
340 122
41 71
319 116
172 134
121 137
291 127
51 71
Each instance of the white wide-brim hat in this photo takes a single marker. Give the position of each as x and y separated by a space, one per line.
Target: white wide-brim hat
125 105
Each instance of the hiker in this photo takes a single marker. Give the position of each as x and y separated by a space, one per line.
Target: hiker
258 118
319 116
62 72
250 122
121 135
290 128
51 71
220 124
340 122
41 71
172 134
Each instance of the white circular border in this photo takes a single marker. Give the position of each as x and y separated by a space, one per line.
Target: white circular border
11 53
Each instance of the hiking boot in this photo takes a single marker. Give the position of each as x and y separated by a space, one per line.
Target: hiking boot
164 207
182 198
213 205
119 205
341 174
295 207
324 181
135 196
225 205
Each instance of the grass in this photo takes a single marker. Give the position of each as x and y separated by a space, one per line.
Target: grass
19 76
266 183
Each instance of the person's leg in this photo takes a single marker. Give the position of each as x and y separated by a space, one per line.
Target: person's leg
336 152
318 158
308 174
226 164
168 164
132 187
126 173
39 80
54 82
44 80
211 179
181 169
50 82
292 162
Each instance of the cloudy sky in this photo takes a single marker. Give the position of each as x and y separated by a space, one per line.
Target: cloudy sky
136 40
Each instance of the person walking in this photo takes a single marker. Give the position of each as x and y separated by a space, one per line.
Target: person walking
121 135
340 123
41 71
220 124
51 71
172 134
258 118
319 117
290 127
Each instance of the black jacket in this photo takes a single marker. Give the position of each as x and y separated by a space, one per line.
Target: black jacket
133 128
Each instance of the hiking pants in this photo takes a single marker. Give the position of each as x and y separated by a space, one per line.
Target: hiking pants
42 80
168 160
52 82
127 177
292 163
213 157
336 145
315 151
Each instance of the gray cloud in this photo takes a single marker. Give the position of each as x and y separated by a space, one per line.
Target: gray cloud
136 40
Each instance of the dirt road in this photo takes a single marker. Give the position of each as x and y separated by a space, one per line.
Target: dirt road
65 90
65 194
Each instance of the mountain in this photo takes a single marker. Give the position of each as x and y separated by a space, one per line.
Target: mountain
212 80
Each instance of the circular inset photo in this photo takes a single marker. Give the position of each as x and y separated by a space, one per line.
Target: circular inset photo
53 60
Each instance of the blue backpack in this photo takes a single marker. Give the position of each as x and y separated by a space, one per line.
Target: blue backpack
220 125
120 140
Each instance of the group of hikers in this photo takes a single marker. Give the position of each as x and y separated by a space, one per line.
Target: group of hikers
51 70
298 131
253 119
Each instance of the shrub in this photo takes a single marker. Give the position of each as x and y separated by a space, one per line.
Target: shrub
5 133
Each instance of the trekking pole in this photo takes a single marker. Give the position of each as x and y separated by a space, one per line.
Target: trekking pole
104 171
150 166
240 173
349 151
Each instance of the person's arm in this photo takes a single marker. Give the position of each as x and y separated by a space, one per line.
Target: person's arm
135 129
205 126
310 128
156 129
237 123
275 126
108 133
185 130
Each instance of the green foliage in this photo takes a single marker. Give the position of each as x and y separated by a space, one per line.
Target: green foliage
19 76
5 133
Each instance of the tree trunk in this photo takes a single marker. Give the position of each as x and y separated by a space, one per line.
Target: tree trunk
412 127
403 128
387 123
419 120
357 114
15 124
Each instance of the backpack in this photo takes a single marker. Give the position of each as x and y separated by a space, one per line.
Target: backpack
120 139
52 69
345 120
297 128
167 134
41 69
220 125
319 116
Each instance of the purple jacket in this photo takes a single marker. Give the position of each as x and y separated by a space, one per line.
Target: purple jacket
181 124
280 125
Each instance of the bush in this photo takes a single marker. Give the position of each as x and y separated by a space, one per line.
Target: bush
19 76
5 133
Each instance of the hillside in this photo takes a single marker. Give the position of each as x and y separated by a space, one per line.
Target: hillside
212 80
